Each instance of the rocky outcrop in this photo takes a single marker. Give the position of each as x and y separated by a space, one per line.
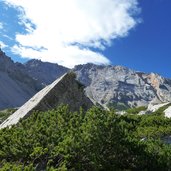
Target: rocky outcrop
16 87
19 82
65 90
121 87
110 86
44 72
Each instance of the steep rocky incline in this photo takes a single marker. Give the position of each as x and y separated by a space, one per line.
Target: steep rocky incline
44 72
19 82
110 86
121 87
65 90
16 87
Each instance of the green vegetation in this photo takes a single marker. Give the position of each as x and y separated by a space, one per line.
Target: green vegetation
161 110
118 106
96 140
136 110
4 114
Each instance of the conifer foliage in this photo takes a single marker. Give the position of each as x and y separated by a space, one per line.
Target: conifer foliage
92 140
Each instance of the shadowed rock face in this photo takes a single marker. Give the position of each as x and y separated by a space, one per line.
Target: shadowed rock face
44 72
16 87
65 90
19 82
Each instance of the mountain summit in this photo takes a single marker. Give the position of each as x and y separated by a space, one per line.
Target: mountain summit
121 87
44 72
110 86
16 86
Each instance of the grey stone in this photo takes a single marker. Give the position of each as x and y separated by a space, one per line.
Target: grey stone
16 87
110 86
44 72
65 90
113 85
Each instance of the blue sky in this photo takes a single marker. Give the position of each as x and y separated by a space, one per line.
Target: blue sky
131 33
148 46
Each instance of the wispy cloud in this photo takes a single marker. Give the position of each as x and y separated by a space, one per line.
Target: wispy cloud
1 25
65 31
3 45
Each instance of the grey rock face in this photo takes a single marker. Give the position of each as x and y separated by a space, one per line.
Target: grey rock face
19 82
16 87
121 87
65 90
110 86
44 72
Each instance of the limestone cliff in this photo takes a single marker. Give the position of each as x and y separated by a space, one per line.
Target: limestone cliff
121 87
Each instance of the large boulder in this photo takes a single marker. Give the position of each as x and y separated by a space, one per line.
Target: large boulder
65 90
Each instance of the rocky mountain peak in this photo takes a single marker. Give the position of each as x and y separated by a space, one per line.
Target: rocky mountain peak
120 87
119 68
110 86
44 72
5 62
33 62
1 52
16 86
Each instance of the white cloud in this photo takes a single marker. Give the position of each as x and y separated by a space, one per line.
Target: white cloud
2 45
67 29
1 26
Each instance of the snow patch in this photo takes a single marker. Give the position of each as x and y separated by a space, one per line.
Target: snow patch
167 112
154 108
